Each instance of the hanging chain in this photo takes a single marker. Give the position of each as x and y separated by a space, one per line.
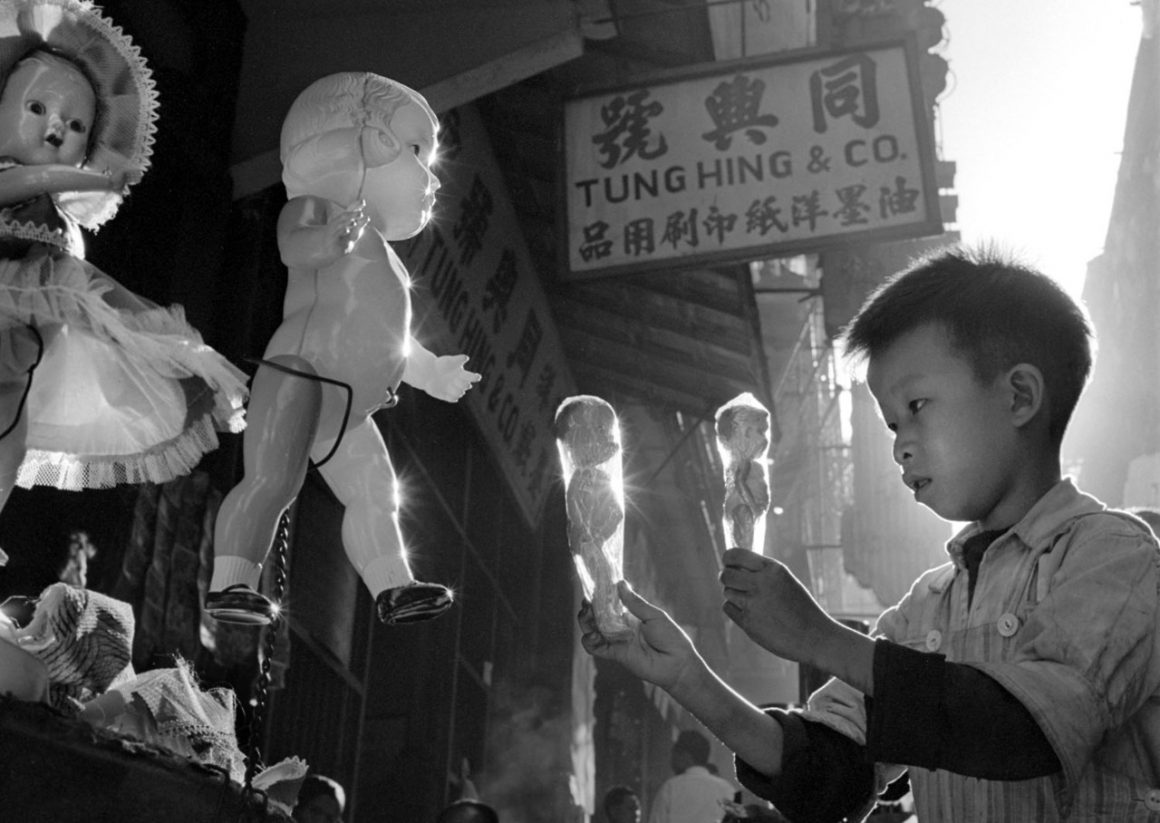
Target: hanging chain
262 686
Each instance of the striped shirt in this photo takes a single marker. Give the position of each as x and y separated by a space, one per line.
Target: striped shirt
1065 617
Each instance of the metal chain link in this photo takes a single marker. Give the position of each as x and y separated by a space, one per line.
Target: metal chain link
262 686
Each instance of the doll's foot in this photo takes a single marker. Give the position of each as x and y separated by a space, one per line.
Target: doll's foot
240 605
413 603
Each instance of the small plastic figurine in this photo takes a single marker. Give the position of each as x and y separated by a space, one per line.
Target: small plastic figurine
97 385
356 150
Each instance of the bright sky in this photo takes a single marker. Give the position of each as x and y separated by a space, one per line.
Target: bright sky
1034 115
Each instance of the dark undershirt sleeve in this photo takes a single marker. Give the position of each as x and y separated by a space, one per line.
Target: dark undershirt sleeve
825 775
938 715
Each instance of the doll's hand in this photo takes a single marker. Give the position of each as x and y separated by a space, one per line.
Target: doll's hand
656 649
449 381
345 228
121 179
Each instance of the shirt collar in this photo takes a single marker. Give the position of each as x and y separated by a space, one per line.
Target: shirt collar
1048 517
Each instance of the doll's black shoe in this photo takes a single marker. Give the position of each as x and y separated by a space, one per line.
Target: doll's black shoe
240 605
413 603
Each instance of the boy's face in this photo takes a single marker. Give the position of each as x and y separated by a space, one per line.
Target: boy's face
953 436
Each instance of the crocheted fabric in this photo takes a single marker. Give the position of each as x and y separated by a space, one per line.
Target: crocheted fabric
187 720
124 132
84 639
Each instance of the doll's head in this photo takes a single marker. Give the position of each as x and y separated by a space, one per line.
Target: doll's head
357 135
71 41
47 111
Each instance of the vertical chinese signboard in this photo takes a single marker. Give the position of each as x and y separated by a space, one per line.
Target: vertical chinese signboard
748 160
476 292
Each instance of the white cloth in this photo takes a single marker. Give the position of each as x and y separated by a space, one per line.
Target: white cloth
694 796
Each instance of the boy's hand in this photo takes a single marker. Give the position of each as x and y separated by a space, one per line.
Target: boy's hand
449 381
656 650
772 606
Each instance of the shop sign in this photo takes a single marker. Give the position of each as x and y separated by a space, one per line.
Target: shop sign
476 292
749 160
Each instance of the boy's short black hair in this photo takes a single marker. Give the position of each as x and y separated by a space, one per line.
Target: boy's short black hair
996 311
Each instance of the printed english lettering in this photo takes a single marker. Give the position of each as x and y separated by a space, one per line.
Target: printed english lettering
719 173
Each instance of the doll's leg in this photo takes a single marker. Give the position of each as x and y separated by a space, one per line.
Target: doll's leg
21 348
282 421
13 445
362 477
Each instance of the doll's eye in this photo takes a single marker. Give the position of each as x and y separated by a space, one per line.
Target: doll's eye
417 149
36 107
79 126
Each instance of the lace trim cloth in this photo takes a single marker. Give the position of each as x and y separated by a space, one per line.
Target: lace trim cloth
124 393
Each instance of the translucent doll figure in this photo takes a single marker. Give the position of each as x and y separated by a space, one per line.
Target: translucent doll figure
97 385
356 153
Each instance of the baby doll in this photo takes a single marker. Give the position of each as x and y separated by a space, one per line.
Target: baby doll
356 152
97 385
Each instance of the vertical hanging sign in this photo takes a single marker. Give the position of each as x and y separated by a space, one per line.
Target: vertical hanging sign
746 160
476 292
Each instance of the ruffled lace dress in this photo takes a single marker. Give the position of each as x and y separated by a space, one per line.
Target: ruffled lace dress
125 391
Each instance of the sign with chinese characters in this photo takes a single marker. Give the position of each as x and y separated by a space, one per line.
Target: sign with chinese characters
475 292
747 160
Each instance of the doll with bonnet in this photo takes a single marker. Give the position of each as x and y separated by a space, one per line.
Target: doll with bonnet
98 386
356 152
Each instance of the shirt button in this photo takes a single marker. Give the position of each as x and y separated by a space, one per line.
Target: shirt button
933 640
1008 624
1152 800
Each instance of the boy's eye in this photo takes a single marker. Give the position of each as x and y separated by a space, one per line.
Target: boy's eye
916 405
36 107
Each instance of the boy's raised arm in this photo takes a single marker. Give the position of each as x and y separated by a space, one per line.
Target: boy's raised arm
658 650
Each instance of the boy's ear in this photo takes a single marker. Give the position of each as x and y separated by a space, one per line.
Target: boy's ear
1028 392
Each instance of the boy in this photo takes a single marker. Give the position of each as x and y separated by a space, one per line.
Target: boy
1021 680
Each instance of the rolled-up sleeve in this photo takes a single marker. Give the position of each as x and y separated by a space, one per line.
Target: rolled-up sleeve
825 776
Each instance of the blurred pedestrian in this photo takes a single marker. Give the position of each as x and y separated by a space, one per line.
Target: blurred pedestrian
693 794
467 810
320 800
621 805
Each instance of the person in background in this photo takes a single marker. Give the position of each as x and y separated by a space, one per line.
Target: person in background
467 810
621 805
1018 681
693 794
320 800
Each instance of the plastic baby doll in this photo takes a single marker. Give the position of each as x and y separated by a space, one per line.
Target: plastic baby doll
97 385
356 152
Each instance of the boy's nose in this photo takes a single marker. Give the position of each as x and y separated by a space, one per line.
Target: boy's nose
902 452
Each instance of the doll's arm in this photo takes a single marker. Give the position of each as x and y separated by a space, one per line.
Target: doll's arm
19 183
307 239
444 378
